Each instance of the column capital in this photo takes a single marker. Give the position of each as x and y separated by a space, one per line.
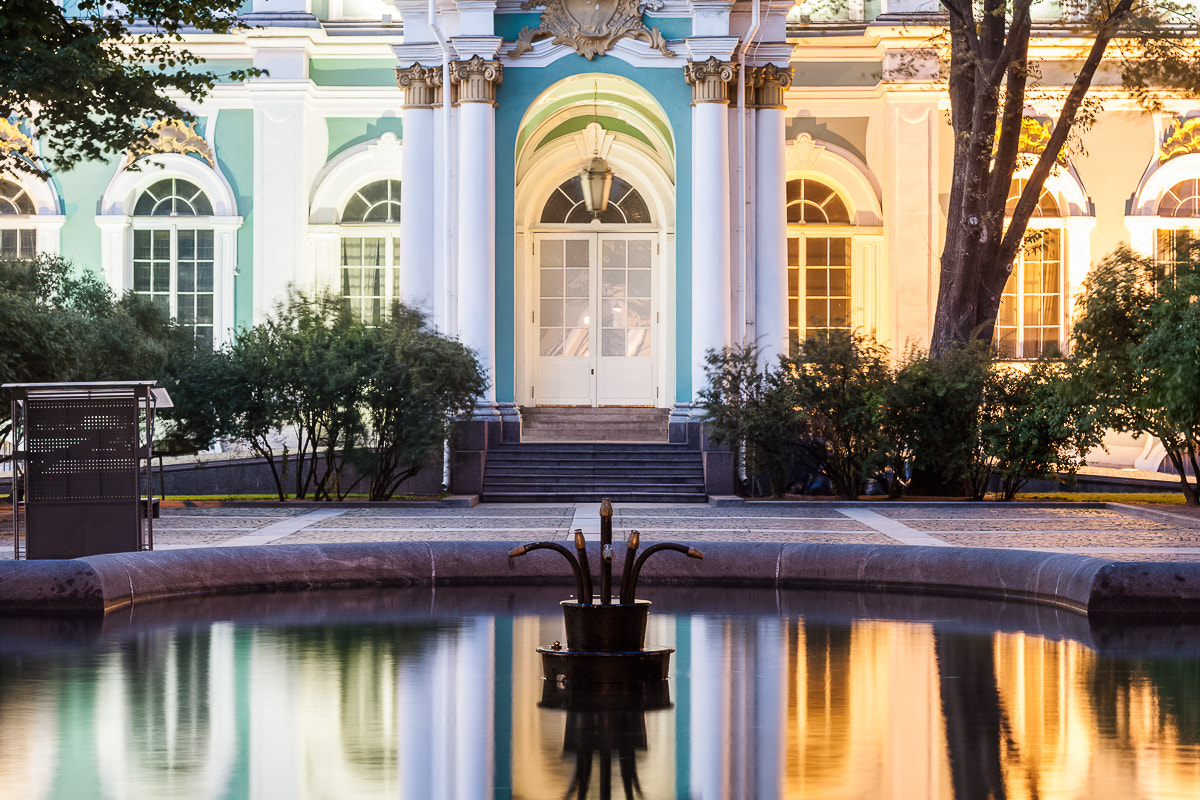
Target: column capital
420 85
770 82
476 79
710 79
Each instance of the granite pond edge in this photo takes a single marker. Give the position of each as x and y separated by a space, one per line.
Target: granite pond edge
1088 585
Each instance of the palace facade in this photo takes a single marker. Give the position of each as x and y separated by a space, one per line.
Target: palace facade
592 194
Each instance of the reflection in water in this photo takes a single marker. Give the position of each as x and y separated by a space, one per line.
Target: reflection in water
757 707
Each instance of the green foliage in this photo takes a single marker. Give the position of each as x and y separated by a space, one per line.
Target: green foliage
933 420
381 399
1034 430
419 383
840 383
750 409
1134 352
84 74
58 325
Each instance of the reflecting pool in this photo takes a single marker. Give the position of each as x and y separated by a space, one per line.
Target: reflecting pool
411 695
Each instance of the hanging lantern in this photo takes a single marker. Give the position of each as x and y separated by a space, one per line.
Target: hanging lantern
597 183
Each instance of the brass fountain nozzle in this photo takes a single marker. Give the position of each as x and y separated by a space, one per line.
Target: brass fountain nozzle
518 551
694 553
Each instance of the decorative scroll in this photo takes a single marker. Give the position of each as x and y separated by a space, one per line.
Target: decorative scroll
12 139
1183 140
591 27
710 79
173 136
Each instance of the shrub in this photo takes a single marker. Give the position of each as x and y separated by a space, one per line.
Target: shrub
839 383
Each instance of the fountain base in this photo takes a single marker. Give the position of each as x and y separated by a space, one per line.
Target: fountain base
603 667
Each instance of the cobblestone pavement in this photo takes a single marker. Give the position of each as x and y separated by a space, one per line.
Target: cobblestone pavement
1108 533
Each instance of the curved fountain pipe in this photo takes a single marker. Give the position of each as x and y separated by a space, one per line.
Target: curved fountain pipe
558 548
606 515
584 566
627 592
631 546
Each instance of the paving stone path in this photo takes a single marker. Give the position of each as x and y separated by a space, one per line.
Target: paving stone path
1109 533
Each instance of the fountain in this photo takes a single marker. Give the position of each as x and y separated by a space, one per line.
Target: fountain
606 641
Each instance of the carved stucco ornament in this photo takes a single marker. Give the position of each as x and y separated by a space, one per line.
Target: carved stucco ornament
173 136
1183 140
591 27
12 138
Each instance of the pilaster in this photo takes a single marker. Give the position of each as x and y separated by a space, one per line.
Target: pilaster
711 236
476 80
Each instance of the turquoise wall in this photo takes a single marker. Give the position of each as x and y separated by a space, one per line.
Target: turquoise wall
80 191
345 132
233 143
520 88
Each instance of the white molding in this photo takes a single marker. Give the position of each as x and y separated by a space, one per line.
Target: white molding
1161 178
349 171
117 223
127 185
845 173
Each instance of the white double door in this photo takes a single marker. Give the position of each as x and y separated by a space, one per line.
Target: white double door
595 319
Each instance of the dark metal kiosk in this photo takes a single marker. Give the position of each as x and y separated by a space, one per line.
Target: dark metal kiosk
81 467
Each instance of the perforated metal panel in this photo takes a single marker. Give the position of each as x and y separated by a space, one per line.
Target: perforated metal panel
82 455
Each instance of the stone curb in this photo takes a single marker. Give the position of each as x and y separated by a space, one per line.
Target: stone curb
1098 587
1157 515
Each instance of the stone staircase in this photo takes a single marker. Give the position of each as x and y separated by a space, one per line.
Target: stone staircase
583 455
604 424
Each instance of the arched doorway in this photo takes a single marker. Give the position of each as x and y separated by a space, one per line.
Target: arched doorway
595 290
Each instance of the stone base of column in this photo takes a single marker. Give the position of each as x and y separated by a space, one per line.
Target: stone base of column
684 426
469 446
510 422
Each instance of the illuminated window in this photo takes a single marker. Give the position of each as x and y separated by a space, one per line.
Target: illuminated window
1030 319
819 260
625 204
1181 202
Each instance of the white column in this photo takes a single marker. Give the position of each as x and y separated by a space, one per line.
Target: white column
476 82
711 280
770 215
417 216
280 187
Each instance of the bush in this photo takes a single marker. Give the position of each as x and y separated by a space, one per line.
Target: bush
1134 348
381 399
839 382
751 410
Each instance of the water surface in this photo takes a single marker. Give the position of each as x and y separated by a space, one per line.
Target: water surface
413 695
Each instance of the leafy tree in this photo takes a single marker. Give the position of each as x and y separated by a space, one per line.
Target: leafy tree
380 399
933 420
57 325
321 374
1134 352
418 384
82 72
1030 428
992 80
840 383
751 410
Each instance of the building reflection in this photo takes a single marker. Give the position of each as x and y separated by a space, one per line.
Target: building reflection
763 707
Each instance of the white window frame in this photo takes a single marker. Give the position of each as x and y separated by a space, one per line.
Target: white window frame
47 218
377 160
117 223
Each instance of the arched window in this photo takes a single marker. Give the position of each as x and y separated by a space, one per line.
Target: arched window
174 253
370 250
1030 321
16 239
625 204
819 260
1180 203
